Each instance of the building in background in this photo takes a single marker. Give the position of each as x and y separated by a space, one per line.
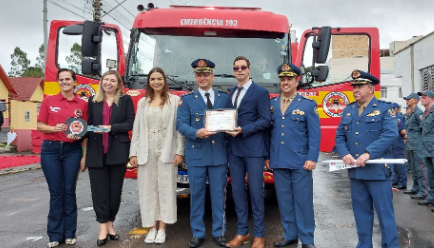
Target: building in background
6 92
414 63
24 108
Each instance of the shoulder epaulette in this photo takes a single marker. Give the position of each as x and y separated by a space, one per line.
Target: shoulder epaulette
352 103
307 98
186 94
222 91
382 101
273 97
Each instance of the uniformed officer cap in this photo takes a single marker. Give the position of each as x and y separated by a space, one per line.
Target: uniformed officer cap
396 105
202 65
412 95
361 77
429 93
288 70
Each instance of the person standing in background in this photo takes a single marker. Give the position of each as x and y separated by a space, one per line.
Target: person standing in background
400 179
415 148
107 152
427 100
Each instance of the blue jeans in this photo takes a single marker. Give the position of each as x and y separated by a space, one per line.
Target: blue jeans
60 162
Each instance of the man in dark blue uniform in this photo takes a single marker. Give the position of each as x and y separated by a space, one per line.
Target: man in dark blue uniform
294 151
427 100
246 152
205 154
400 179
415 148
407 153
367 130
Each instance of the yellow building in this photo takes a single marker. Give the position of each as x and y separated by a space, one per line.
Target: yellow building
6 92
24 108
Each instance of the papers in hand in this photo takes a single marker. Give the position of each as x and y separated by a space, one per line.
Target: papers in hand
338 164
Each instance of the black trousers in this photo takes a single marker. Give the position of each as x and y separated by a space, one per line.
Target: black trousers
106 186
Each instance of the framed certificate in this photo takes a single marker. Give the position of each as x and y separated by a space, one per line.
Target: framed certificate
221 120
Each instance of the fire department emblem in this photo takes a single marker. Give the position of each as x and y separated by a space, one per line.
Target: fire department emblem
76 126
285 67
201 63
78 113
84 91
356 74
334 104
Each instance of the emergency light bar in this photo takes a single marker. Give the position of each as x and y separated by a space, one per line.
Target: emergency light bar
212 7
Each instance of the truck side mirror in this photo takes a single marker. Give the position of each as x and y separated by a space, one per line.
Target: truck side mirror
322 44
320 73
91 66
73 30
91 39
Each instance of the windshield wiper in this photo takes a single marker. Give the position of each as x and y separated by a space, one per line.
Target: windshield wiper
224 75
182 84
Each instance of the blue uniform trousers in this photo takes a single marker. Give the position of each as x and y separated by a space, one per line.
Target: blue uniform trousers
217 177
407 156
238 167
418 172
364 195
430 176
400 169
294 189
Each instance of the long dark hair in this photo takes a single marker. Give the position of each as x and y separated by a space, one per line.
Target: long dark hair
150 94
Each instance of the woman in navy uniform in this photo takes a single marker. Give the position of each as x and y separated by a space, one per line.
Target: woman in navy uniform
367 131
294 151
205 154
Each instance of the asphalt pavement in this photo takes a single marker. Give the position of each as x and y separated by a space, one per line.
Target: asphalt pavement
24 206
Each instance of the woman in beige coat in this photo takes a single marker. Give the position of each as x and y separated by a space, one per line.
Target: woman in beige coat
157 149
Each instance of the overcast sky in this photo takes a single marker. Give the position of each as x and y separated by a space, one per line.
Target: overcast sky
21 20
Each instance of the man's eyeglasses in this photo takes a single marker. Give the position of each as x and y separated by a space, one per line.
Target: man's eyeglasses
243 68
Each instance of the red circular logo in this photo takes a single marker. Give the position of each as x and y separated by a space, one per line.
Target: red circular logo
334 104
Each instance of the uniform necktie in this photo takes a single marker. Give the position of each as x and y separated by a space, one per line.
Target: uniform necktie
236 97
361 108
285 105
208 101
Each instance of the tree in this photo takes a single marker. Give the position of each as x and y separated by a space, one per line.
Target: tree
74 60
40 60
33 71
19 63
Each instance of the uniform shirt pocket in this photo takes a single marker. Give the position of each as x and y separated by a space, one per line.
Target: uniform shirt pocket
346 121
300 148
373 123
197 116
299 121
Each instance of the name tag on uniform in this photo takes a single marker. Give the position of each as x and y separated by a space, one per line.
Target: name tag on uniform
374 113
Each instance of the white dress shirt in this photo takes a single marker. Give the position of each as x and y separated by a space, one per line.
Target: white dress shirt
243 92
211 95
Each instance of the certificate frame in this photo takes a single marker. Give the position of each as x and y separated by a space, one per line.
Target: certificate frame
211 114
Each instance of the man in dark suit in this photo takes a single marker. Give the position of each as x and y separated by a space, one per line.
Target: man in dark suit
205 154
246 149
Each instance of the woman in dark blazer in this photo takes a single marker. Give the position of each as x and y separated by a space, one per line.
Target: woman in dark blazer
108 152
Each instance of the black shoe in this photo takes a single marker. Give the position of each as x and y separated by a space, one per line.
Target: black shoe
393 184
409 192
400 187
432 209
113 237
196 242
285 242
418 197
220 241
425 202
101 242
308 246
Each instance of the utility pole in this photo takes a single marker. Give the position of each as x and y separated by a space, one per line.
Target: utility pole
97 10
45 22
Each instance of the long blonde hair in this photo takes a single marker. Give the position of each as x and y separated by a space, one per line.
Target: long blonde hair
100 96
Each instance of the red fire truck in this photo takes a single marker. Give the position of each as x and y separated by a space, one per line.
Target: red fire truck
173 37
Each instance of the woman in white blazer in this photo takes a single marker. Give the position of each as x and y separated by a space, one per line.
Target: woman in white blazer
157 149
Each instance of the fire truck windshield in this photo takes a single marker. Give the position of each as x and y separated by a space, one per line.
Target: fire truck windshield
174 55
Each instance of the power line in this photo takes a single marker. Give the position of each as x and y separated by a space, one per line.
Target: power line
62 7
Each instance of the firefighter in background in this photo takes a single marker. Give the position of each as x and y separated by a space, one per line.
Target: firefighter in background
367 131
427 99
415 147
400 179
407 153
294 150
